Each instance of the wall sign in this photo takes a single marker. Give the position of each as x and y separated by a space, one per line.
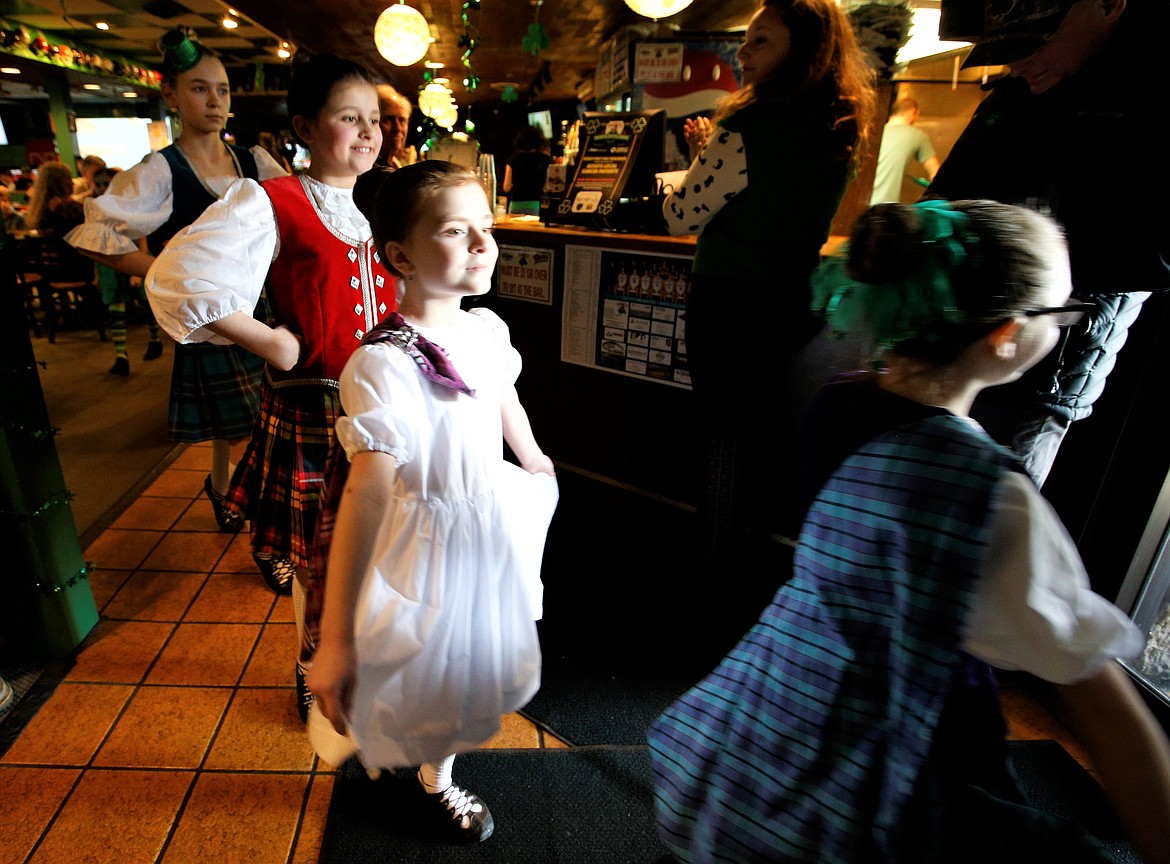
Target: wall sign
525 273
658 62
625 312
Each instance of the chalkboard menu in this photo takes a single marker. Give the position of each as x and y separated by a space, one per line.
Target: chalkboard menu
618 156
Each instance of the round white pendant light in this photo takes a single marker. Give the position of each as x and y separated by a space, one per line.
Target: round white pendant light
658 8
433 99
448 116
401 35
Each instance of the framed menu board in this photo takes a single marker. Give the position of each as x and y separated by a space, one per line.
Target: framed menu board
618 156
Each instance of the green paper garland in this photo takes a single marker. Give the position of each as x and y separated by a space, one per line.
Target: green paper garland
61 498
81 575
469 41
35 434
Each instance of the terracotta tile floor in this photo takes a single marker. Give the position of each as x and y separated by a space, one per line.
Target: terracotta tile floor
174 736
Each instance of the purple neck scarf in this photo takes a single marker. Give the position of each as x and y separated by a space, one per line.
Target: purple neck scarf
431 358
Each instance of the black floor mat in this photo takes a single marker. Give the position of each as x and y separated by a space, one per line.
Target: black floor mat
578 806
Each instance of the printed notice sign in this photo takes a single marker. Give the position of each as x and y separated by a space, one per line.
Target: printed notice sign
625 312
526 274
658 63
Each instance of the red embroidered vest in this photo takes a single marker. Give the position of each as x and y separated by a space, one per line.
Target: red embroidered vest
328 288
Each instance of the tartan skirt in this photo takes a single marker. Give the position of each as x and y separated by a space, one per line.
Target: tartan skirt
215 392
279 482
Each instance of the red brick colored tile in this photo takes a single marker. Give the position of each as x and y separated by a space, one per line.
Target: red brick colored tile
239 817
156 514
312 832
31 798
196 457
261 732
119 651
150 595
70 726
196 551
175 483
232 597
209 655
238 557
273 660
104 583
122 816
165 727
120 549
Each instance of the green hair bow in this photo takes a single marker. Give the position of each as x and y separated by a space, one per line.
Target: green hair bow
913 306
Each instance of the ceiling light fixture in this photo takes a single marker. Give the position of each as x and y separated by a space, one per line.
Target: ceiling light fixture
401 35
447 117
9 70
91 86
102 25
434 99
658 8
283 53
229 23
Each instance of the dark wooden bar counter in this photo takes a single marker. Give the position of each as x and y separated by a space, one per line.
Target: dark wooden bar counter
628 429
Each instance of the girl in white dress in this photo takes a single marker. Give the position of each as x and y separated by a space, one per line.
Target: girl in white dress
432 585
215 389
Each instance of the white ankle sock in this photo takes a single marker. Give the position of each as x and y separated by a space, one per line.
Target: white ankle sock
436 776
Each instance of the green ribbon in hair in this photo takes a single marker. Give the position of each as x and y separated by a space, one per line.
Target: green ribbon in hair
910 307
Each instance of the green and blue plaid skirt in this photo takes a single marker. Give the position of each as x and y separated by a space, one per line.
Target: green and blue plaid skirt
215 392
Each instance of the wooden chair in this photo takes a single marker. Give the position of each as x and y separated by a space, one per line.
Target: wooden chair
29 279
69 292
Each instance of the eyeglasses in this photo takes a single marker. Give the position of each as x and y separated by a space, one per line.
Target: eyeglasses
1069 315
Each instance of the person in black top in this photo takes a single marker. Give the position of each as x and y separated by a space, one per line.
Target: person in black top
1083 78
526 169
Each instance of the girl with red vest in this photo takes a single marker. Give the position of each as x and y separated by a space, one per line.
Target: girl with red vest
302 242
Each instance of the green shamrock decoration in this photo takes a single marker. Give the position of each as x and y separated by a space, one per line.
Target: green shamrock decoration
509 94
536 40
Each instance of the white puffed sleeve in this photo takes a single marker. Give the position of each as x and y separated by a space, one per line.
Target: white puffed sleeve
381 395
1033 610
216 266
138 202
512 362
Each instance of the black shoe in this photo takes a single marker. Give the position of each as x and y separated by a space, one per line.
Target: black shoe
7 697
228 520
304 695
153 350
277 572
121 366
461 816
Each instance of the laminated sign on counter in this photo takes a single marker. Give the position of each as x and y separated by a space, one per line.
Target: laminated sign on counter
613 180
